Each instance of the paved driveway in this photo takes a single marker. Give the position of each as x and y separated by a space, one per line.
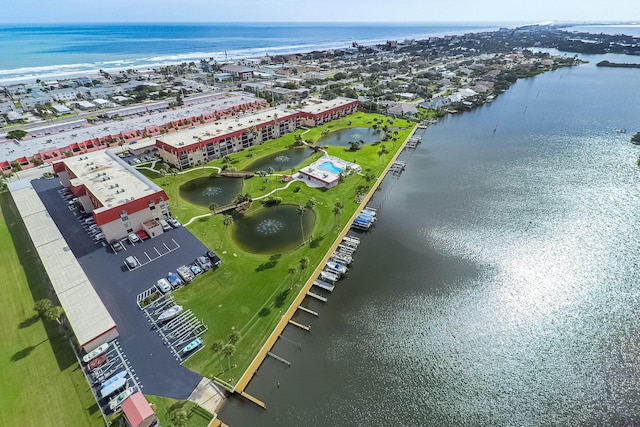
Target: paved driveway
159 372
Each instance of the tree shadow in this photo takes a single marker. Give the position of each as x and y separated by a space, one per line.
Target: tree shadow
28 322
264 312
316 242
273 261
25 352
93 408
281 298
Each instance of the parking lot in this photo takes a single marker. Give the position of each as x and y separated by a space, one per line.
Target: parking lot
118 286
178 332
116 365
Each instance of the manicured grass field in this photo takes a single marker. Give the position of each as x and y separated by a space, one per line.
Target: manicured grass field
250 292
41 382
196 416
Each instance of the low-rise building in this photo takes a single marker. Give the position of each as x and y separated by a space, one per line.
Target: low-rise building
120 198
238 72
66 94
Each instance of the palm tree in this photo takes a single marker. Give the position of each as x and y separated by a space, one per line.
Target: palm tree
216 347
228 350
304 263
336 213
291 271
212 207
271 171
301 209
382 152
311 203
234 337
227 221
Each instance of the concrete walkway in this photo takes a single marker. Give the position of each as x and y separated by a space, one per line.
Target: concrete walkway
208 395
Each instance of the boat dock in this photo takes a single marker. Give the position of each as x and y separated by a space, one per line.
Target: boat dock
314 313
324 285
300 325
316 296
343 246
397 167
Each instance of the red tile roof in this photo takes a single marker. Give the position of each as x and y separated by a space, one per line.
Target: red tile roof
137 409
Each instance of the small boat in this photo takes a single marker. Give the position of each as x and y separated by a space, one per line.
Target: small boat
337 267
351 239
95 353
368 212
331 277
192 345
120 375
117 401
170 313
113 387
341 258
366 217
97 362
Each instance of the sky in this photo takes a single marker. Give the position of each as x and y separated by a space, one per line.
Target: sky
70 11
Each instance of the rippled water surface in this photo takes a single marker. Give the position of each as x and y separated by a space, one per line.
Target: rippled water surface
500 285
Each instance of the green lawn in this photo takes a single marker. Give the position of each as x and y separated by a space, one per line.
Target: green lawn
42 384
250 292
197 417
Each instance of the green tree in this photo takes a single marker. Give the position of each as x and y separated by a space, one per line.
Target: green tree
17 134
311 203
304 263
216 347
42 305
234 337
227 221
291 271
228 350
301 209
54 313
212 207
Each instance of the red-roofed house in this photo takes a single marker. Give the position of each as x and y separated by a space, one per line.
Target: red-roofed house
137 411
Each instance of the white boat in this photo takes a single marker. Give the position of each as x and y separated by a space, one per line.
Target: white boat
337 267
331 277
341 258
95 353
353 241
170 313
192 345
117 401
369 212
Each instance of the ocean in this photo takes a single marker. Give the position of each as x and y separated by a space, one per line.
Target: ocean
46 51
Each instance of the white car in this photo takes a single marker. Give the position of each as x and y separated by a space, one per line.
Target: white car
133 238
164 286
174 222
98 237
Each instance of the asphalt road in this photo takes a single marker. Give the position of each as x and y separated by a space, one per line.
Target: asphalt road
159 372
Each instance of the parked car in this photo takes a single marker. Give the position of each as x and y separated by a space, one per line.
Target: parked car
98 237
174 222
204 263
215 259
164 285
142 235
131 262
116 245
97 362
174 279
165 225
185 273
133 238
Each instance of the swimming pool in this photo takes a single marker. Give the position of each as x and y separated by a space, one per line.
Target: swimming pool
329 167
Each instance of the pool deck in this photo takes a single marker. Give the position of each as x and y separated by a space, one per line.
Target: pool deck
284 321
316 176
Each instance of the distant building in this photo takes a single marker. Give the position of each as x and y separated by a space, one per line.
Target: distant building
403 109
238 72
60 109
66 94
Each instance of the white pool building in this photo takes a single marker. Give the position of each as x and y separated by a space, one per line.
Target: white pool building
325 172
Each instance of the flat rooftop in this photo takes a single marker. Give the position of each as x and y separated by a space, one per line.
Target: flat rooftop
83 307
108 178
316 106
61 135
222 127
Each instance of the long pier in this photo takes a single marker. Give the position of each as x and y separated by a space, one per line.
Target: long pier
315 313
316 296
300 325
304 292
250 398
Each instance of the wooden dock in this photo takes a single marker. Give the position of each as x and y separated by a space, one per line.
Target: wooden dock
279 359
304 292
250 398
300 325
315 313
316 296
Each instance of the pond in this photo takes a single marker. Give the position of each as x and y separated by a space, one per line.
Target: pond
281 160
211 189
342 137
273 230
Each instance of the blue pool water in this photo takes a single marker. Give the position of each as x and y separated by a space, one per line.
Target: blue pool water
329 167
